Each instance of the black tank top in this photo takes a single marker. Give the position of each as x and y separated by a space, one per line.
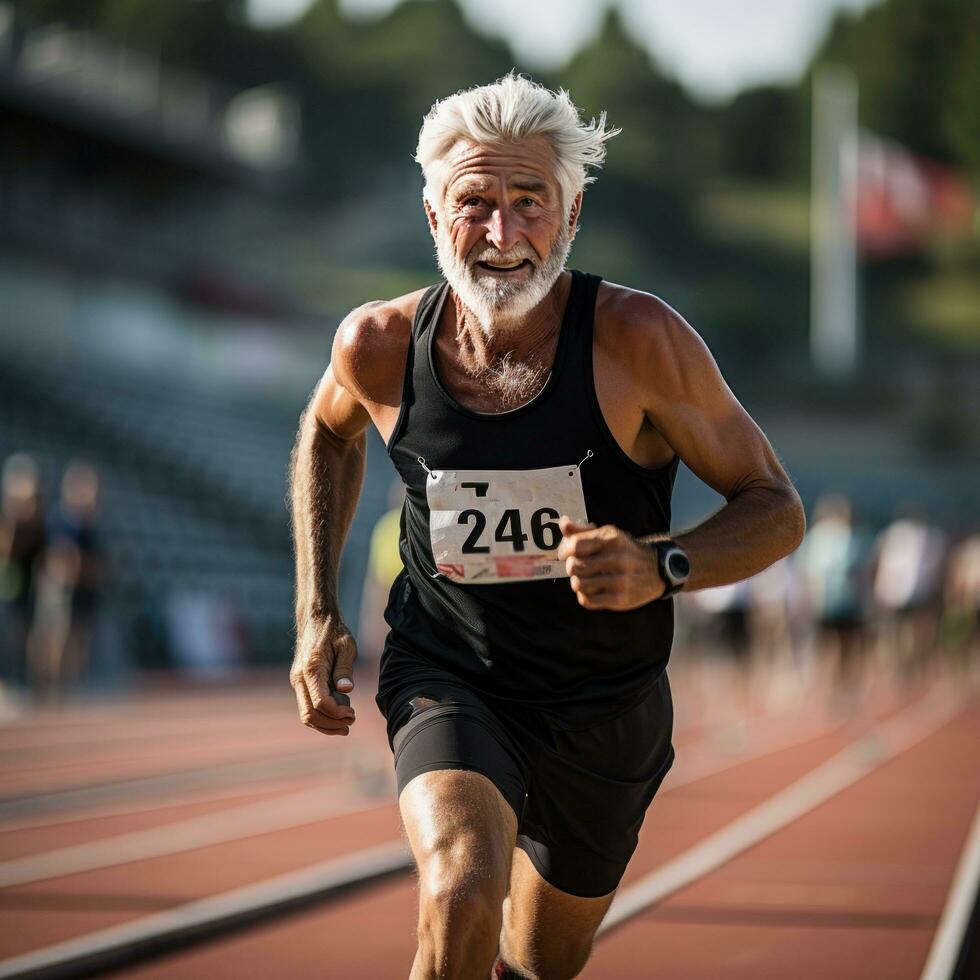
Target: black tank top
523 638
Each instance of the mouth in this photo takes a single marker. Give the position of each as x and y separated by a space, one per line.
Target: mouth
504 269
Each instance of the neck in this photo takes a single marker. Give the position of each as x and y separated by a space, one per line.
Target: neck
482 343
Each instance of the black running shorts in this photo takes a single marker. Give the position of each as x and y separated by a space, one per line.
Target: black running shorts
580 797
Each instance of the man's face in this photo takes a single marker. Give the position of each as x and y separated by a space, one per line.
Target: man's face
502 234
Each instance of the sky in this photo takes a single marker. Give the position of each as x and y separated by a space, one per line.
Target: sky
714 47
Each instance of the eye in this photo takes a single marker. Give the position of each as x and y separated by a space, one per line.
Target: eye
472 202
527 202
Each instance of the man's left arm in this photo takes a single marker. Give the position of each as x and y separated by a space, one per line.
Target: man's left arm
688 402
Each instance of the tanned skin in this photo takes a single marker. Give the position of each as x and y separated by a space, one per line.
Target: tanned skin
661 394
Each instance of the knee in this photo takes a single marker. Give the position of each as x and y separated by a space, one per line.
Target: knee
459 911
460 902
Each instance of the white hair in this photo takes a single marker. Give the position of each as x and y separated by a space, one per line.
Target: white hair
511 110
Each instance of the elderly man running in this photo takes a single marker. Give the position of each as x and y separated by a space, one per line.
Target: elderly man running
536 416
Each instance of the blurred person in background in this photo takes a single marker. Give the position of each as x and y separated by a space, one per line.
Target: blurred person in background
721 630
961 603
777 625
908 560
22 543
537 416
71 583
834 559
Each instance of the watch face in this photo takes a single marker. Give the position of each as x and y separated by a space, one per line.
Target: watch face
678 566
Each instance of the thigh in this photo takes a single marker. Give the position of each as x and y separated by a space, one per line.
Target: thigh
436 725
588 793
462 834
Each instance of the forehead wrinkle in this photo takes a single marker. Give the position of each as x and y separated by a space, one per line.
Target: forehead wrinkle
530 184
534 154
467 184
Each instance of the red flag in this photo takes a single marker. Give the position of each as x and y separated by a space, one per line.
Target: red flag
903 199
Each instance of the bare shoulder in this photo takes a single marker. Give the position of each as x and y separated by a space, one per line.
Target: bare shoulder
371 346
640 329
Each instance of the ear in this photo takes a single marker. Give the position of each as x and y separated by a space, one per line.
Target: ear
573 213
431 215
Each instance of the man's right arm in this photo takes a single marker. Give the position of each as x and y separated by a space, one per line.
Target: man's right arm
326 473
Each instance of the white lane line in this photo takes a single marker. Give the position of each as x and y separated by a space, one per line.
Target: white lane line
288 765
285 812
948 940
252 819
147 806
193 921
884 742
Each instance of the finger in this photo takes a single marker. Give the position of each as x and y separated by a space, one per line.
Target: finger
594 586
567 526
317 679
316 719
595 565
582 544
600 600
345 653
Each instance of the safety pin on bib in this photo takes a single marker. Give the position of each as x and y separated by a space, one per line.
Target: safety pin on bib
588 455
421 460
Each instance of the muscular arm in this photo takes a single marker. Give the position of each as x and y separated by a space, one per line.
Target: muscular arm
326 474
695 411
685 399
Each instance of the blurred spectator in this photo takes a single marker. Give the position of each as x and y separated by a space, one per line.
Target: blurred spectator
384 564
777 627
70 584
907 589
834 557
961 602
22 542
205 633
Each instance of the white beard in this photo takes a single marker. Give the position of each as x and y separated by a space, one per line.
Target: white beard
498 302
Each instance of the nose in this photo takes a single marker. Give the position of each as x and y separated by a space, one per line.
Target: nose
502 228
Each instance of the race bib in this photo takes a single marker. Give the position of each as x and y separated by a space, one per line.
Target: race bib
492 526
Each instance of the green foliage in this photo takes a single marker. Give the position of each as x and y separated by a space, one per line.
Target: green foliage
657 216
918 67
664 139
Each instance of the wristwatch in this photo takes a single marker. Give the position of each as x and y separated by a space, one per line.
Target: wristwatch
673 565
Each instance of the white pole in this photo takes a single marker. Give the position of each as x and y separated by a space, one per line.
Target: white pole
833 267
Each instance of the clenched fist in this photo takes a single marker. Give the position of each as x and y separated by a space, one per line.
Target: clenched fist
324 664
607 568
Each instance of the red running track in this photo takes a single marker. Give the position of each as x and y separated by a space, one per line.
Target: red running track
854 888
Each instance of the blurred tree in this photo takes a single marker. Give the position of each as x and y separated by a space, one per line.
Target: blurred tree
664 140
762 134
918 65
375 80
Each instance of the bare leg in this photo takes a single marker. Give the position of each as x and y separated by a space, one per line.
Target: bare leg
547 933
462 833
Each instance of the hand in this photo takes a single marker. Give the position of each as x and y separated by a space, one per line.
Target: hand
607 568
324 662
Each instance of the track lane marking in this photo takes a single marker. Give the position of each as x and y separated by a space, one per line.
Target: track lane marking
226 826
204 918
248 820
287 765
165 931
872 750
947 942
